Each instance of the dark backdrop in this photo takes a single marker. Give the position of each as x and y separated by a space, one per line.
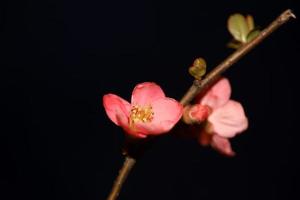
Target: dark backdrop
60 57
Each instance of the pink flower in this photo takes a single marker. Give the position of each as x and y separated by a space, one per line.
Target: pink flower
225 117
150 111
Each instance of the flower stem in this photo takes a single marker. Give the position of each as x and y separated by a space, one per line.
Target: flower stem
123 173
198 85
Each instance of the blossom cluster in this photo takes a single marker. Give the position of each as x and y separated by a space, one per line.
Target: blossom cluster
150 112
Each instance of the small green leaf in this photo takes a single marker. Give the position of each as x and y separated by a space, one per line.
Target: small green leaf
253 34
238 27
234 44
198 69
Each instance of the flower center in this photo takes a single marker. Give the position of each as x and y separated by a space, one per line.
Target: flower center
140 114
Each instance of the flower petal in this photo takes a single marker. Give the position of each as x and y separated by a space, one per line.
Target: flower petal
217 95
117 109
133 131
167 113
145 93
222 145
228 120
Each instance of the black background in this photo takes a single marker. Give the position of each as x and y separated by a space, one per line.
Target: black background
60 57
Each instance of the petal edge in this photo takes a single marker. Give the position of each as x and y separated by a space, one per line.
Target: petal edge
146 93
116 108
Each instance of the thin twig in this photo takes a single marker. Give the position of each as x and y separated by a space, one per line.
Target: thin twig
123 173
198 86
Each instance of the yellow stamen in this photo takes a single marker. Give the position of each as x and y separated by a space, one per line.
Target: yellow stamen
140 114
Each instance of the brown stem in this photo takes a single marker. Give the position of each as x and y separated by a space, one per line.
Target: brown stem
198 86
123 173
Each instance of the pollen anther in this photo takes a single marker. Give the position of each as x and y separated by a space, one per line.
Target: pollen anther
141 114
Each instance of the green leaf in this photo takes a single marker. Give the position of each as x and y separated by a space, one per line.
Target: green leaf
253 34
234 44
198 69
238 27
